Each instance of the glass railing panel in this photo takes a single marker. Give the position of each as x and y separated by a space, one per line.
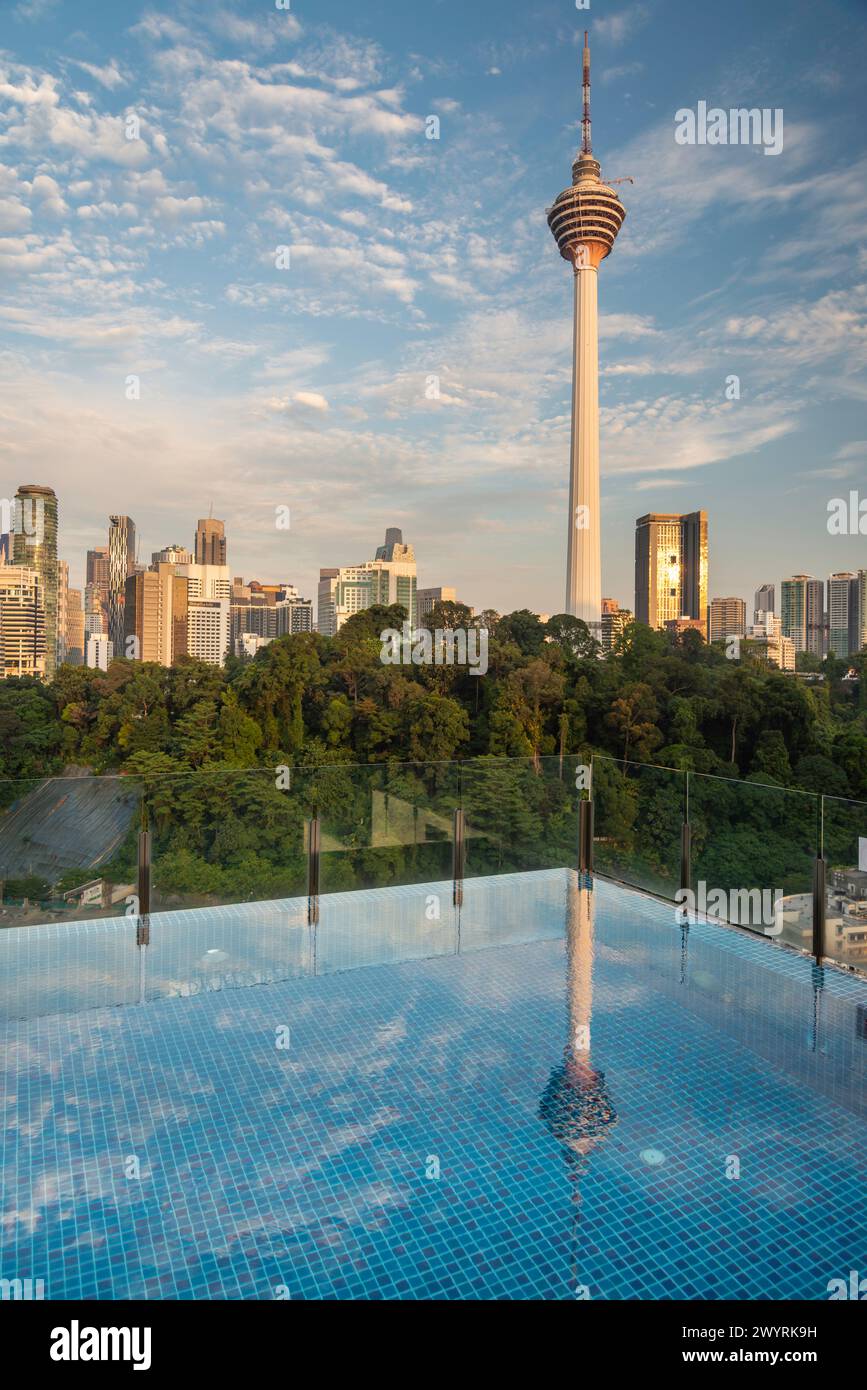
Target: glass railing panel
638 816
385 824
67 967
227 837
68 848
752 845
844 839
234 946
519 814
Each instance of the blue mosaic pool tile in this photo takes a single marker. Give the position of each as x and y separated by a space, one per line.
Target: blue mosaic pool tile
303 1172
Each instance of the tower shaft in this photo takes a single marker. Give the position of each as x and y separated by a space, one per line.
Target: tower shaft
583 552
584 221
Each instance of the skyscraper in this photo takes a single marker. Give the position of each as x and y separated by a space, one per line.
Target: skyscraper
843 614
728 618
73 640
765 599
615 621
860 626
210 546
34 546
62 609
121 564
671 562
585 220
22 622
802 609
388 579
156 615
96 590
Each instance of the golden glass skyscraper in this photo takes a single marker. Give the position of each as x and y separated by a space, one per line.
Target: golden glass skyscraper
671 559
585 220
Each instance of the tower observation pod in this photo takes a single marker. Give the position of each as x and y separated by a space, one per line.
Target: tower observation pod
585 220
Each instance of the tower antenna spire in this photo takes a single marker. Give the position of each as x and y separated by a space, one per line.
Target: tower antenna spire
585 82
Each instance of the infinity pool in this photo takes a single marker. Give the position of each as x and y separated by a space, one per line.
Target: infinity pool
552 1092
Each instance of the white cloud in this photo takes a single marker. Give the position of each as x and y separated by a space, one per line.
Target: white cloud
109 75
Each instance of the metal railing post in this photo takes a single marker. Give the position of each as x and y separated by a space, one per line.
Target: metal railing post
458 857
143 930
313 856
819 887
585 837
686 843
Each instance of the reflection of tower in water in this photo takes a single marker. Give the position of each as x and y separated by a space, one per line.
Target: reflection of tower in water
576 1106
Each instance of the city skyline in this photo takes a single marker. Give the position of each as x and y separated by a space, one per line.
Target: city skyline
309 390
815 614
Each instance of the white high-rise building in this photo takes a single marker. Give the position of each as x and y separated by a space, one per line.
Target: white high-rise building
209 629
843 614
22 622
388 579
802 608
585 220
100 651
207 581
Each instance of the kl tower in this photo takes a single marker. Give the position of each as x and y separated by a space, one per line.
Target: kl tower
585 220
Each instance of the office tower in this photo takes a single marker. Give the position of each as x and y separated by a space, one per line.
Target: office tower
141 635
172 555
843 614
34 546
156 615
70 620
5 548
22 622
765 599
793 610
96 584
585 220
62 615
121 565
425 599
671 561
294 615
207 581
861 620
99 652
209 629
728 618
210 545
817 618
615 620
388 579
802 609
74 635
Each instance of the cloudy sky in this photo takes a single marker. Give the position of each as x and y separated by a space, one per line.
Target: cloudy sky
265 384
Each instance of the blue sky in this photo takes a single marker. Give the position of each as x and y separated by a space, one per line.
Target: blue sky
306 387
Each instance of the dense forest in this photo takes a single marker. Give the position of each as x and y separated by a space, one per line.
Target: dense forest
372 748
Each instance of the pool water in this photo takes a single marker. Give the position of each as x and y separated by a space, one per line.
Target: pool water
552 1092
